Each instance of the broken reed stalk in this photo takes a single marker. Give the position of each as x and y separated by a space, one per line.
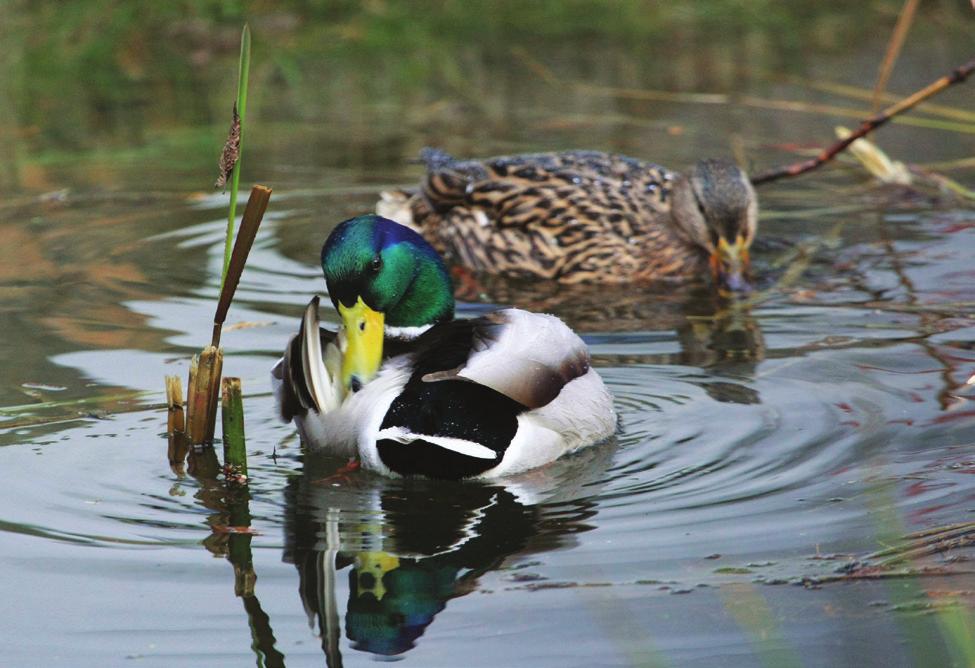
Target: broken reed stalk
234 448
240 110
205 370
174 402
176 426
250 222
958 75
191 391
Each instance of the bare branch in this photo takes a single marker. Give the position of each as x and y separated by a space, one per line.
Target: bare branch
958 75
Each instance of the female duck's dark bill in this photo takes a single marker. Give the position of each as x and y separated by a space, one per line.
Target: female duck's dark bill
730 264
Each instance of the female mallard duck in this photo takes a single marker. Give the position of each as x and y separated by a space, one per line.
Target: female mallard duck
584 217
411 391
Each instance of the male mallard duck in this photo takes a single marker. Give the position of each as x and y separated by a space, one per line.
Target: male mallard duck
410 390
584 217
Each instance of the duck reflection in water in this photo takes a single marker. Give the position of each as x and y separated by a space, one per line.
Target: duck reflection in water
412 545
721 334
715 332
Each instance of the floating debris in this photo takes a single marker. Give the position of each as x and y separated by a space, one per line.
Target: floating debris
875 161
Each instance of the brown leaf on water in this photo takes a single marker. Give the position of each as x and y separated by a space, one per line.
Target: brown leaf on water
230 153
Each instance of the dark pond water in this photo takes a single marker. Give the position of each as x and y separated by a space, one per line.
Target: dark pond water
767 446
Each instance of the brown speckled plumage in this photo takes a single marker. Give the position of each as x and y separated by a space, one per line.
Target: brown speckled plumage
576 217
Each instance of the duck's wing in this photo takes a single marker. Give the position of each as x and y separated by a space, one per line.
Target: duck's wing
515 191
306 377
471 380
527 357
543 214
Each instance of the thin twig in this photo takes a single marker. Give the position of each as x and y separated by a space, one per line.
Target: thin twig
924 539
904 22
957 75
858 93
867 574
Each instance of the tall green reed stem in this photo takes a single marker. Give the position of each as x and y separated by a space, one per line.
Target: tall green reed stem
243 70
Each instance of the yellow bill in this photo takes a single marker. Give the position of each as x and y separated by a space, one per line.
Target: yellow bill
364 332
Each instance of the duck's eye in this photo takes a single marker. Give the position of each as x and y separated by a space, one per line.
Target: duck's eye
376 264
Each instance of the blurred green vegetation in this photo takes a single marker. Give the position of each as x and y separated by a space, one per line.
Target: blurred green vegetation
111 74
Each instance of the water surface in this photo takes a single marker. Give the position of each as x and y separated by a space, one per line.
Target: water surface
766 447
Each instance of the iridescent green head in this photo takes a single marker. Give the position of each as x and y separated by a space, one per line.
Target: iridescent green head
391 268
384 280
